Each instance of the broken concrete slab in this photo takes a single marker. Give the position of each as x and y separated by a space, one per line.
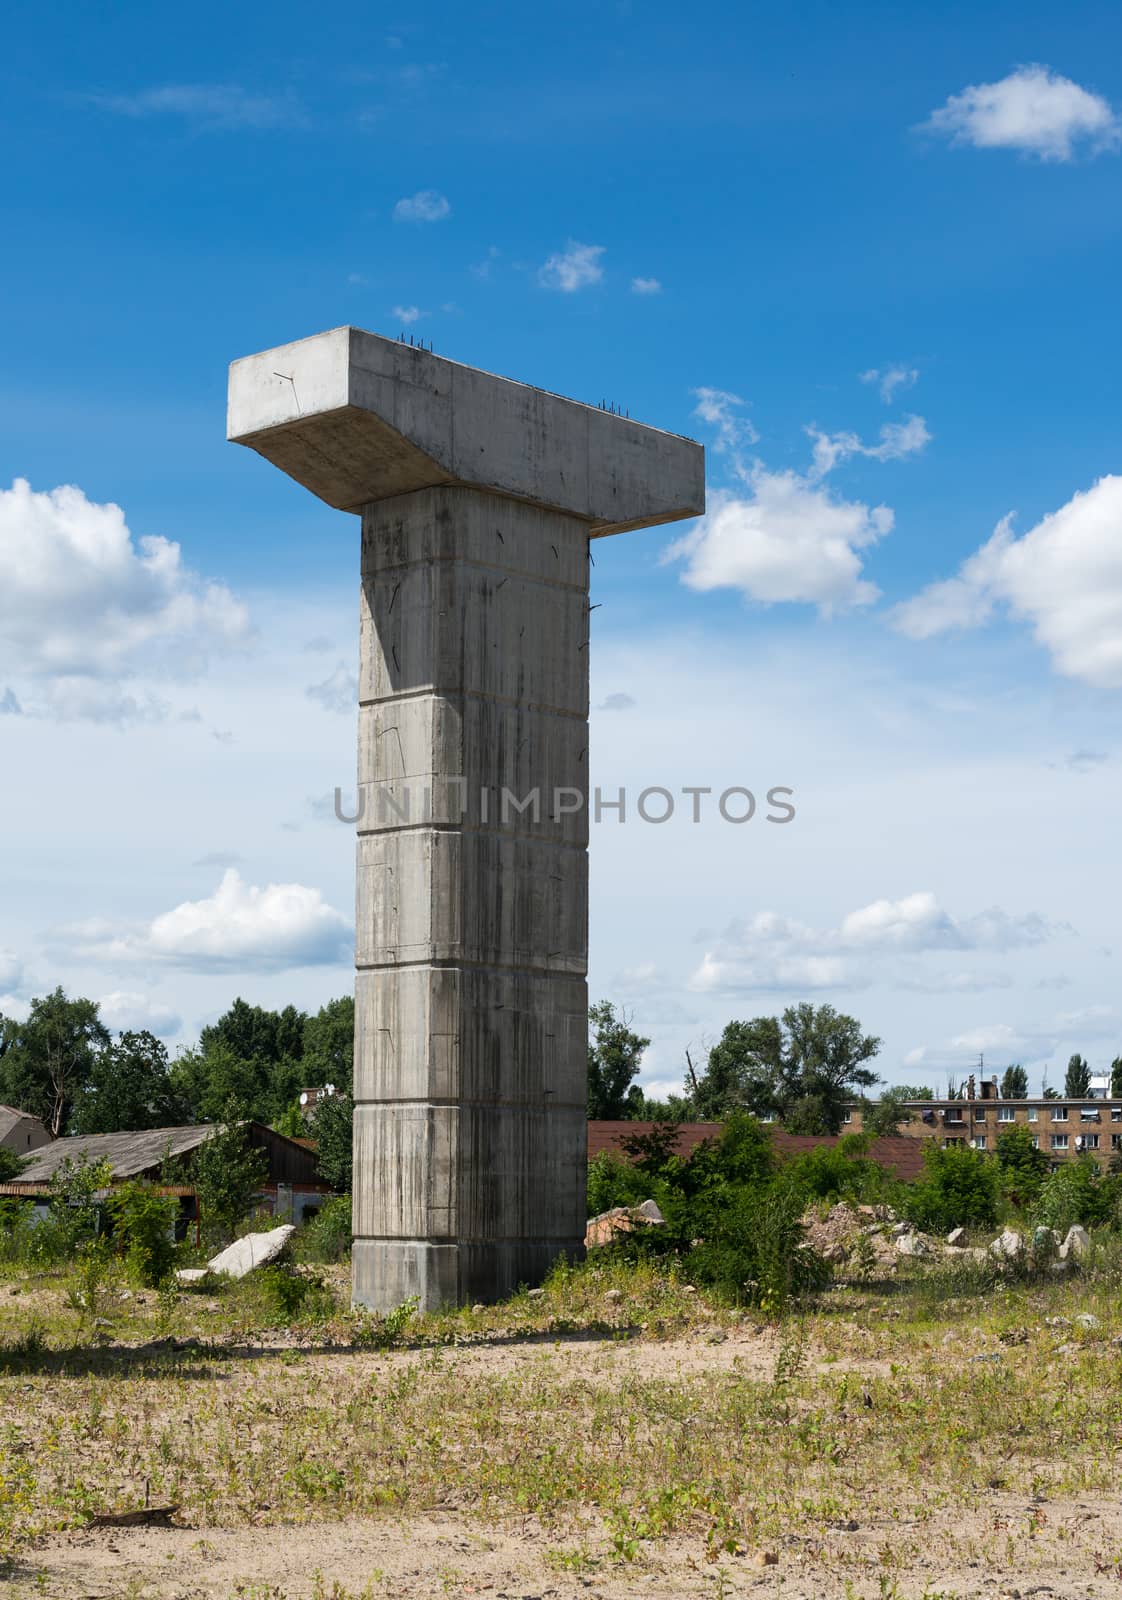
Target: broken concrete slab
254 1250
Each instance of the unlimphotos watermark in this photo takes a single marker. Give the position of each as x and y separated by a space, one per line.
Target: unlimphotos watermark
400 804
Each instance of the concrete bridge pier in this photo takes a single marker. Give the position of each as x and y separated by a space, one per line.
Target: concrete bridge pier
478 497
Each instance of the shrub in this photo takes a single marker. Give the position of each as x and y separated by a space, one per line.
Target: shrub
843 1172
144 1224
292 1294
327 1237
754 1251
227 1173
1023 1167
1077 1192
959 1188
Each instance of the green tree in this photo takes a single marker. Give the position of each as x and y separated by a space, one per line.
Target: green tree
292 1122
1077 1078
45 1061
805 1068
1116 1078
615 1053
329 1046
227 1173
1014 1083
884 1118
251 1055
11 1164
959 1187
1024 1167
332 1128
129 1088
144 1230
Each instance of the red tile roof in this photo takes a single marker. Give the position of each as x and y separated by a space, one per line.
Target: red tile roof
903 1157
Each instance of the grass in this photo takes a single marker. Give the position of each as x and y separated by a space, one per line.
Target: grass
868 1406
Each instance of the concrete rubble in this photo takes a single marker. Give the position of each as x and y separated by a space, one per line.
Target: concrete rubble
242 1257
622 1219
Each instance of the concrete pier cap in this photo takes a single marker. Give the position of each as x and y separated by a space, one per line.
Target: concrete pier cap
357 418
478 498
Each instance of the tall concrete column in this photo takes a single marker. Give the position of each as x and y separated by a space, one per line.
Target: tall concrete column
478 497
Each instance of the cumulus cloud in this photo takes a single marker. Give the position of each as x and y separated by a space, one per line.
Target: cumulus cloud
617 702
646 286
1063 577
409 314
771 951
125 1010
240 927
427 205
81 600
11 970
215 107
788 540
889 379
575 267
338 693
1033 110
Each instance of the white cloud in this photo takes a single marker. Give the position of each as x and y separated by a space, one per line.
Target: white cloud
889 379
240 927
81 600
9 705
424 206
124 1010
338 693
617 702
12 1006
409 314
790 540
771 951
897 439
1033 110
646 286
718 408
1063 577
576 267
217 107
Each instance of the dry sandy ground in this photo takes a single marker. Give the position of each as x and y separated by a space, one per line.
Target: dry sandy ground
451 1557
1076 1550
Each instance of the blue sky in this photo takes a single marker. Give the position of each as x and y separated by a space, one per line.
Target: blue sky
896 227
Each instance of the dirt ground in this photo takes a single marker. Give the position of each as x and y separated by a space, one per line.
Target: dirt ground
925 1553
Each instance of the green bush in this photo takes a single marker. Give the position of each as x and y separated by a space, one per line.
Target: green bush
144 1227
294 1295
960 1187
1078 1192
843 1172
754 1251
327 1237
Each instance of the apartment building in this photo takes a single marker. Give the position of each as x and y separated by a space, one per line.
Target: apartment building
1062 1129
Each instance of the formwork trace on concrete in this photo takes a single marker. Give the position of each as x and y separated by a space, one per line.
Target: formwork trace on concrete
478 497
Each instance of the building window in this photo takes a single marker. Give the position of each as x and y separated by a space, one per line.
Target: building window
1059 1141
1059 1113
980 1141
950 1144
953 1116
1089 1114
1090 1141
1006 1114
1116 1113
848 1117
1116 1141
1035 1142
1033 1114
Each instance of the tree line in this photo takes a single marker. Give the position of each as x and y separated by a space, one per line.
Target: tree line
804 1069
66 1067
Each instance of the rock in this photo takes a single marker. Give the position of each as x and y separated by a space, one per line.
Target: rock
534 1294
765 1558
994 1355
614 1295
1008 1246
1059 1268
1067 1349
191 1274
649 1210
254 1250
835 1252
477 1309
912 1244
1077 1244
1045 1241
1086 1319
604 1228
899 1229
956 1236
